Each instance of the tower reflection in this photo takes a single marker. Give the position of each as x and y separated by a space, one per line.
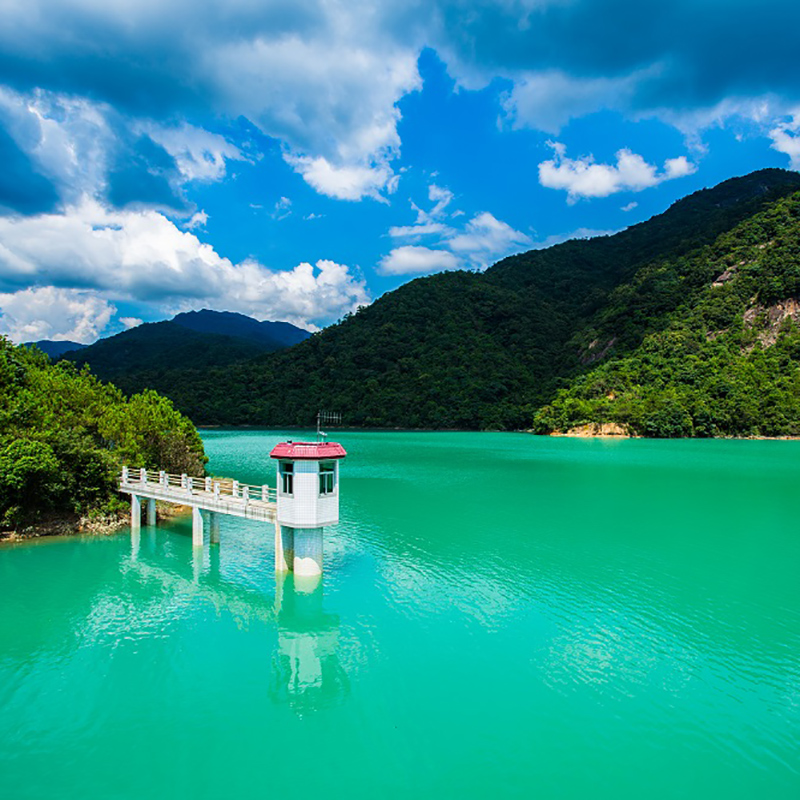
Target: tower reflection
306 673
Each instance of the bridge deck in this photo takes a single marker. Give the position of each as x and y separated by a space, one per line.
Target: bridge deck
223 496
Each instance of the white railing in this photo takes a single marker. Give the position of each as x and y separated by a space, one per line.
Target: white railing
189 484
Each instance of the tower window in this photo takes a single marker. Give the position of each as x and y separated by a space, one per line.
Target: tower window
287 477
327 477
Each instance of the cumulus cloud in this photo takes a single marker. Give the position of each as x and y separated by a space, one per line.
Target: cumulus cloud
325 77
48 312
486 238
84 148
199 154
583 177
547 100
415 260
786 139
143 256
346 182
476 243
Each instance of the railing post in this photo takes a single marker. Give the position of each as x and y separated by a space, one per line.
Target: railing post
162 478
189 483
216 490
235 489
183 480
143 475
124 475
246 493
264 493
208 484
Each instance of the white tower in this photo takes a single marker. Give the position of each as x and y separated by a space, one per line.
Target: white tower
308 499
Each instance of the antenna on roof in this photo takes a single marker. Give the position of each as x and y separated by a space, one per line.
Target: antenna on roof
328 419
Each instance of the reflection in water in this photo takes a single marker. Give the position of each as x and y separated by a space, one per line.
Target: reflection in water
306 671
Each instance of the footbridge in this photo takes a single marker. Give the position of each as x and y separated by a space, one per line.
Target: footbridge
207 497
305 502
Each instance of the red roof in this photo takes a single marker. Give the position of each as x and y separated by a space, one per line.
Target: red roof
309 451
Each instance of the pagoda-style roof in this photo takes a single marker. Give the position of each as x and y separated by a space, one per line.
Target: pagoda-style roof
308 451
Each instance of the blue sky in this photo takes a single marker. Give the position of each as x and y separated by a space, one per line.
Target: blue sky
294 160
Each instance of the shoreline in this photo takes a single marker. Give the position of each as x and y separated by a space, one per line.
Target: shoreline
74 525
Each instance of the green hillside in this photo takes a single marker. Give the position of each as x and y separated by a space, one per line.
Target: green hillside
713 341
64 436
471 350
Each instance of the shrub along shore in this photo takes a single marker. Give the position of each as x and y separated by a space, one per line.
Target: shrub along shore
64 437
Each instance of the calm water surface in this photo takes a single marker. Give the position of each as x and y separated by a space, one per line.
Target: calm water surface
501 615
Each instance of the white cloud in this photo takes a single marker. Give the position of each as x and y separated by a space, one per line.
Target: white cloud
416 260
418 231
141 255
546 101
67 139
582 177
476 244
199 154
330 97
629 206
197 220
347 182
282 209
48 312
131 322
786 139
486 238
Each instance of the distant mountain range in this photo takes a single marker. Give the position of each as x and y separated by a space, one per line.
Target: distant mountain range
55 349
632 330
687 324
195 339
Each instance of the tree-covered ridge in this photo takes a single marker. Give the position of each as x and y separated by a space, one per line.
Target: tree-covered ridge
64 436
709 343
477 351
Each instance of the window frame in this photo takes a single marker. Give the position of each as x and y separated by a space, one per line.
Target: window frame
327 478
287 478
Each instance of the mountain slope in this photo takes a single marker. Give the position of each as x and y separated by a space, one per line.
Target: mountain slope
714 342
196 339
272 335
473 350
55 349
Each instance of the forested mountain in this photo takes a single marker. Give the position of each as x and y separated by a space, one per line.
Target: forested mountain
196 339
55 349
709 343
64 436
471 350
272 335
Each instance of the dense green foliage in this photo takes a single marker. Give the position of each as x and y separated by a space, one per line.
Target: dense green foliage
471 350
712 341
64 436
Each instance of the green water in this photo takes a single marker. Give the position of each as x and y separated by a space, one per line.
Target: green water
501 616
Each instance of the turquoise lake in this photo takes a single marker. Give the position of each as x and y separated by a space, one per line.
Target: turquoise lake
501 615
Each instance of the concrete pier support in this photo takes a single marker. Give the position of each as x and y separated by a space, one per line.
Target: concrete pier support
284 548
151 511
136 512
213 527
197 527
307 552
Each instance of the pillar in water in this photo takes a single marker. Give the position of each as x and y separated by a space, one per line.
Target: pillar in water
213 524
197 527
151 511
307 552
136 512
284 548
